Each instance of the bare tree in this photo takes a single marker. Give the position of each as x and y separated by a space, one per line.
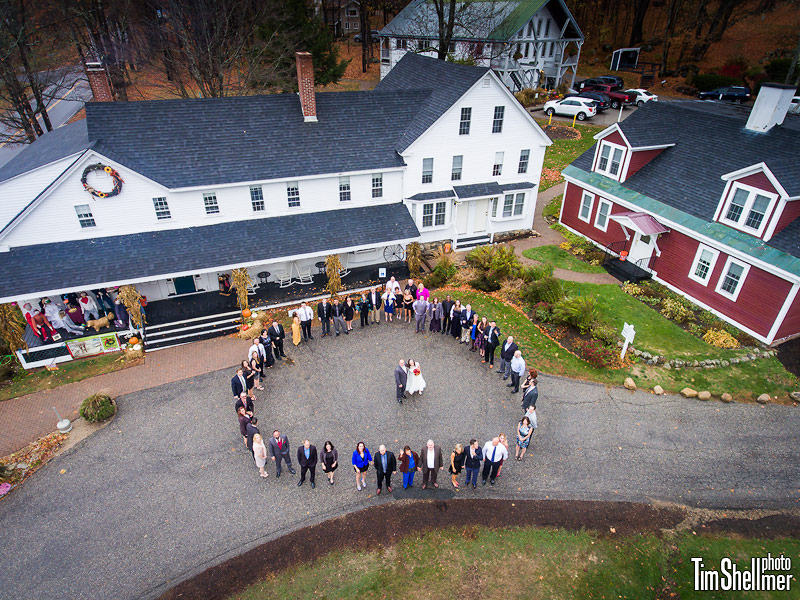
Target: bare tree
673 11
639 12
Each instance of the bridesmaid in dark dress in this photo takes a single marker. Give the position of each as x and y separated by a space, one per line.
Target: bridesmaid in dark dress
456 463
330 460
250 378
455 320
481 339
436 313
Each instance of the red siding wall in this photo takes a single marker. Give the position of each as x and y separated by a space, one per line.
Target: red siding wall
640 159
758 180
571 207
791 323
789 214
759 301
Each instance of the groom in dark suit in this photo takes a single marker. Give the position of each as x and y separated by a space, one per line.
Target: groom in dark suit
276 335
400 379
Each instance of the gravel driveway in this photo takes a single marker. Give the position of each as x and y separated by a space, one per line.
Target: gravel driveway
167 489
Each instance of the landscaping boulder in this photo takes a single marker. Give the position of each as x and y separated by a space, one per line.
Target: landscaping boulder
763 399
725 363
704 396
795 396
629 384
658 390
647 355
688 393
727 398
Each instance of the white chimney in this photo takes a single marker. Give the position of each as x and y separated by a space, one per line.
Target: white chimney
771 106
305 85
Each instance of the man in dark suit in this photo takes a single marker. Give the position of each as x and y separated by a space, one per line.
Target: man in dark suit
337 312
307 459
279 449
385 465
324 316
447 306
269 357
276 335
431 459
472 462
246 402
492 341
506 354
251 431
376 302
238 383
244 419
400 379
466 324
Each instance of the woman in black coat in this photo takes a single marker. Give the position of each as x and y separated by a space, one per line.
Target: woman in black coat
349 312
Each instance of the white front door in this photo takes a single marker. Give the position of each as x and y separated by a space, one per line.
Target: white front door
641 247
462 217
480 215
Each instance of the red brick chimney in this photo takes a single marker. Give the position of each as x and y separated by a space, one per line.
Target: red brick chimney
305 83
99 82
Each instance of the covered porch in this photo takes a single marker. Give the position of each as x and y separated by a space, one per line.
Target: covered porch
629 259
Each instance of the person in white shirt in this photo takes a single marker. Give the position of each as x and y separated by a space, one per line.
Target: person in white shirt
493 453
393 286
517 371
306 318
257 347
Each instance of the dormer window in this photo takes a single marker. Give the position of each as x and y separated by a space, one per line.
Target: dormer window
746 208
610 160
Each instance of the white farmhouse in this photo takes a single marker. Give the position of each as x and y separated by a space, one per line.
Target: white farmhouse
528 43
171 195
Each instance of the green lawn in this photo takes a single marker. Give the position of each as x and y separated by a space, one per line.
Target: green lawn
563 152
744 381
527 562
28 382
561 259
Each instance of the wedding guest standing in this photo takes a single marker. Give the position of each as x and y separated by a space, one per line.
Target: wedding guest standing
400 380
474 333
238 383
252 431
361 459
423 292
306 318
375 304
524 433
393 286
389 300
530 389
408 305
447 310
431 459
364 308
409 464
260 454
457 457
337 311
385 465
412 288
466 324
455 320
279 449
482 334
349 313
530 412
503 442
265 343
244 419
296 330
420 307
493 454
324 316
435 312
492 341
307 459
330 460
517 371
249 377
506 354
472 462
245 402
257 366
277 335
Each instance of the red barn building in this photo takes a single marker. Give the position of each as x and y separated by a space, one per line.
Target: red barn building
705 199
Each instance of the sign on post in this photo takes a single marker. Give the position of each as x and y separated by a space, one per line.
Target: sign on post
628 333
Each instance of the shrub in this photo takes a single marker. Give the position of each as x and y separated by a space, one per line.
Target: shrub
552 209
505 262
735 67
651 288
542 311
537 272
649 300
480 257
710 81
578 251
696 330
596 353
604 332
435 279
485 282
511 290
547 289
778 68
720 338
631 289
565 246
442 272
578 311
676 310
97 407
527 97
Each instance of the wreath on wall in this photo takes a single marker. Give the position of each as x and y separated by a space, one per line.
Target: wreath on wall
106 169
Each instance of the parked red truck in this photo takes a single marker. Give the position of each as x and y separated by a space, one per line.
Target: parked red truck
617 98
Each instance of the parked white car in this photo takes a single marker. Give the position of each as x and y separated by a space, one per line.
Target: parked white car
584 108
642 96
795 107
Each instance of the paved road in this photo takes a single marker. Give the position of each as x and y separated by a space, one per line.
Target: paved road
60 109
167 489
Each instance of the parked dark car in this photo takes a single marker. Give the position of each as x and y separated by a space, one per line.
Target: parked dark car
615 82
617 98
731 94
373 33
601 100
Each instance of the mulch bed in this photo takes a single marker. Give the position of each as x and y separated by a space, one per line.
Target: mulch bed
561 132
386 524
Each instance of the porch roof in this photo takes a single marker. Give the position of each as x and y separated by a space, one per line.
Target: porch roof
640 222
489 188
51 269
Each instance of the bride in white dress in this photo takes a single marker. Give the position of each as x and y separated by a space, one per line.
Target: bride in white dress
415 382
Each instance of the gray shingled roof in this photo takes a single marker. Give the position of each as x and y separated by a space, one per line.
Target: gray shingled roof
55 145
446 82
433 195
28 269
476 190
687 176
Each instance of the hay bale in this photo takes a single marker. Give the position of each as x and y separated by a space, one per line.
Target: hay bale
251 332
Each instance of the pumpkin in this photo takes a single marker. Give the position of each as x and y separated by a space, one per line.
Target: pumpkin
133 341
245 327
246 313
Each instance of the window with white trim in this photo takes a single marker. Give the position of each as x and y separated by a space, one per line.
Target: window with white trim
497 168
344 189
603 212
455 174
524 158
513 205
377 185
257 198
585 211
401 44
466 121
703 264
732 278
610 160
293 194
85 216
747 208
162 208
497 121
210 203
427 170
493 207
433 214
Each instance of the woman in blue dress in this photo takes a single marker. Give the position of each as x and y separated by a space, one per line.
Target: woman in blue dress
361 460
388 303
